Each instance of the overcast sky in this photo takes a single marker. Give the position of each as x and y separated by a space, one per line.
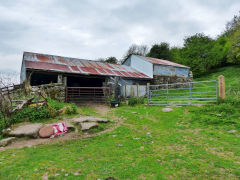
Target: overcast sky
101 28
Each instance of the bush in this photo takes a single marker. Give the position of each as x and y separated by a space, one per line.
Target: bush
30 114
56 104
74 108
135 100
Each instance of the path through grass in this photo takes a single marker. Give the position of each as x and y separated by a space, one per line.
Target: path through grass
149 144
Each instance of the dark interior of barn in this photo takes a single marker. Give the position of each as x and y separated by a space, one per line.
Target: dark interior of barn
84 81
42 78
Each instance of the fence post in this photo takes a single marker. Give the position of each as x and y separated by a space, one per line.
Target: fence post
221 86
148 92
190 92
167 92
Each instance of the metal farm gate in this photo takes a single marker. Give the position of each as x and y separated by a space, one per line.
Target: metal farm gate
82 95
189 93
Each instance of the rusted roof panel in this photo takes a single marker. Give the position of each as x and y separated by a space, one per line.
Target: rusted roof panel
80 66
163 62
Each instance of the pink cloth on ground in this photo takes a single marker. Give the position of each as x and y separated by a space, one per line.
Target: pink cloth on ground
59 128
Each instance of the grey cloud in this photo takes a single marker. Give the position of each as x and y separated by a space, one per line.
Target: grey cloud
92 29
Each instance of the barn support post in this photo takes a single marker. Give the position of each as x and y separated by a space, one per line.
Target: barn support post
125 93
221 87
60 78
137 90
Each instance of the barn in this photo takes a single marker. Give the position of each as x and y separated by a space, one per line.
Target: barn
84 80
161 71
80 80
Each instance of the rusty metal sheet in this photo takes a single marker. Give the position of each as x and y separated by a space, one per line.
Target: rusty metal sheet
163 62
46 66
80 66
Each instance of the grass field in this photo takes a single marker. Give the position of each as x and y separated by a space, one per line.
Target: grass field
187 143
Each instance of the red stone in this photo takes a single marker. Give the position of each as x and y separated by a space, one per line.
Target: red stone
46 132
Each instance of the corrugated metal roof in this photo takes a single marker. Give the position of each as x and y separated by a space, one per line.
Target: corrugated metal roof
78 66
163 62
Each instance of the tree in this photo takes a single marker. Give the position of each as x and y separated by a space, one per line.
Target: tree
160 51
111 60
220 51
140 50
197 54
234 53
233 32
232 25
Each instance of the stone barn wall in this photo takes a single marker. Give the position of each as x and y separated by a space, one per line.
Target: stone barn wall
55 91
160 79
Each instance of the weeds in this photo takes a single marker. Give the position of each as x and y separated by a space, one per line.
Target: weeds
135 100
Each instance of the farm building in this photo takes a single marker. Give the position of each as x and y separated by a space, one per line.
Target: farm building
160 71
77 80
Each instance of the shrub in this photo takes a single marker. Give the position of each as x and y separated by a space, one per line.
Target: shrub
31 114
68 110
135 100
74 108
56 104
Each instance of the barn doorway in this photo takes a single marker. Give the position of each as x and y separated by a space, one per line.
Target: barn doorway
86 89
38 78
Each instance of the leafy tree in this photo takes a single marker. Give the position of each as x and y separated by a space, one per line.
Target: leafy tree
197 54
111 60
161 51
233 32
234 53
220 50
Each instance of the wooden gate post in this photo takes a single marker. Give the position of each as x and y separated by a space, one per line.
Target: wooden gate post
221 86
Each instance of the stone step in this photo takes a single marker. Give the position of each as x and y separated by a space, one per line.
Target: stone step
29 130
88 125
7 141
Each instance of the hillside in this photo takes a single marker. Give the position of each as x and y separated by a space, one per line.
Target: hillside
231 73
186 143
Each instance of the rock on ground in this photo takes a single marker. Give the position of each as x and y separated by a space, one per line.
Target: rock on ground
30 130
70 126
7 141
89 119
167 109
46 131
232 131
88 125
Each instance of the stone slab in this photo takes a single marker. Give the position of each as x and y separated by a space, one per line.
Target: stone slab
167 109
7 141
30 130
88 125
89 119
